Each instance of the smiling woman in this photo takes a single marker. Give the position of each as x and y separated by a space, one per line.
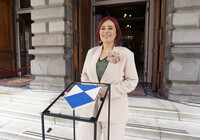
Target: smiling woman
108 33
107 36
109 63
113 26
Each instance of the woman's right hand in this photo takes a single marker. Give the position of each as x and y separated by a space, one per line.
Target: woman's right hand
102 91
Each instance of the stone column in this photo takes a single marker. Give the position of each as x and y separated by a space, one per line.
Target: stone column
182 64
52 42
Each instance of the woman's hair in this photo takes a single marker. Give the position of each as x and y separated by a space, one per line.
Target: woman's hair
118 39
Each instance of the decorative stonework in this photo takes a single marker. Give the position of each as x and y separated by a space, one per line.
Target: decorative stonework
52 40
182 56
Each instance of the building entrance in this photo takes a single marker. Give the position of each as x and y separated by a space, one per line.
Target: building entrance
131 19
140 22
134 21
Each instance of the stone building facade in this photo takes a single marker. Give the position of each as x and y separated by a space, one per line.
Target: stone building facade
182 53
52 42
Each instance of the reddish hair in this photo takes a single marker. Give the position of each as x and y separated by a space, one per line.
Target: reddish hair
118 39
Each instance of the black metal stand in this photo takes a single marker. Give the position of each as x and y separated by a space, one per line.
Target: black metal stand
109 113
74 125
75 118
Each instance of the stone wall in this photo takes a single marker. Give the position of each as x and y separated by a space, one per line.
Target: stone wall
182 54
52 40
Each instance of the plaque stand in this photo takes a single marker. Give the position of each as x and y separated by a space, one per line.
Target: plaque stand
92 119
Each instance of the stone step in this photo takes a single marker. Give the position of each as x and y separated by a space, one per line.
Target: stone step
149 118
162 129
16 129
136 126
141 106
163 109
12 129
27 96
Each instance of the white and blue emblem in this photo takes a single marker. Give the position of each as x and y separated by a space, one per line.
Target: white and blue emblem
82 94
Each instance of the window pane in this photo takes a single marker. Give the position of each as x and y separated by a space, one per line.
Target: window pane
25 4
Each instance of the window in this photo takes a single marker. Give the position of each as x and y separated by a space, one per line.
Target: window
24 4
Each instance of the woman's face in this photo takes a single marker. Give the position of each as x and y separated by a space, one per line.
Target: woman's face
108 32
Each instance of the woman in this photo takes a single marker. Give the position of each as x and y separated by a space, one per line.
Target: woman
113 64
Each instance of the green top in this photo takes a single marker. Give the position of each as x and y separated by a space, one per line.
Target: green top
101 67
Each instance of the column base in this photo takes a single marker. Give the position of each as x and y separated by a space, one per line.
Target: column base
48 83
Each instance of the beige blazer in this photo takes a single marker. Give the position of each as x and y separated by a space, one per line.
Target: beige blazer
123 79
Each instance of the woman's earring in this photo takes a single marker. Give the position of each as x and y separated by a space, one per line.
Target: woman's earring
100 42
